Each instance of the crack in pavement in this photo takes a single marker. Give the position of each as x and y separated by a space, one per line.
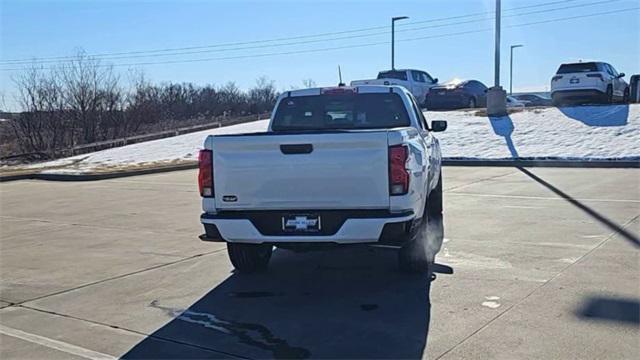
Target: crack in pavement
129 330
479 181
117 277
143 231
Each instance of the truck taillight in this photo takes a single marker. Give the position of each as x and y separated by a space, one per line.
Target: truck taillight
599 76
205 173
398 174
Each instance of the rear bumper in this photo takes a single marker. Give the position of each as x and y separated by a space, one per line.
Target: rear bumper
343 227
582 94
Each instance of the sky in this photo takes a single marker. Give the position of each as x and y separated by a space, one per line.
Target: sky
447 38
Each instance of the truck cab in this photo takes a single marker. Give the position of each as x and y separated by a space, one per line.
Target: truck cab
418 82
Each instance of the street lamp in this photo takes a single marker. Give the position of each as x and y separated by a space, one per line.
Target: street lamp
496 96
393 33
511 69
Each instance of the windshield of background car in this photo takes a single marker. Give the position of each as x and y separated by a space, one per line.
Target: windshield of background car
577 68
338 112
400 75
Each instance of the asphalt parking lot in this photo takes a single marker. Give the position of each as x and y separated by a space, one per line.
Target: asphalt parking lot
543 263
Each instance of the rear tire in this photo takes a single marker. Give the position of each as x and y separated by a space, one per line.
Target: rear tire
609 95
625 97
555 101
412 257
435 206
249 258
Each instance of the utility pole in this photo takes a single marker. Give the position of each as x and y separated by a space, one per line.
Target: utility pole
393 34
511 68
497 46
496 96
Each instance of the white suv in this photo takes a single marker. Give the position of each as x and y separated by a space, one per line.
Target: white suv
588 82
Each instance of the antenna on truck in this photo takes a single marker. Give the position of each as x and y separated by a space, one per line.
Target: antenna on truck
340 77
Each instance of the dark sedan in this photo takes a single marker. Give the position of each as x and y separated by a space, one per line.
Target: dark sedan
457 95
533 100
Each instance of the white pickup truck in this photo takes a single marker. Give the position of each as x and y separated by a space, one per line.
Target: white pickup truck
339 165
418 82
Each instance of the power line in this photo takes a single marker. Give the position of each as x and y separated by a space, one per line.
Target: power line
157 51
321 40
294 52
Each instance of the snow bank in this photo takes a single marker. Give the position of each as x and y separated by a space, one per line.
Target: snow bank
586 133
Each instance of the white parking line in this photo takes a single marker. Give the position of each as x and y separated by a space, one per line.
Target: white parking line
537 197
55 344
522 207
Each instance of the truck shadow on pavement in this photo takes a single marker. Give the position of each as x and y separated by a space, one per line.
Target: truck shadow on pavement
598 115
343 303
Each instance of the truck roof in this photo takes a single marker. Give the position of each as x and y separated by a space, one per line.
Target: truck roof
400 70
360 89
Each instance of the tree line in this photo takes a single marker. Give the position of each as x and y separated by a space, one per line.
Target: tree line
83 101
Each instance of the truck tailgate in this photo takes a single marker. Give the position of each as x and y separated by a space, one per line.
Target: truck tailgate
341 170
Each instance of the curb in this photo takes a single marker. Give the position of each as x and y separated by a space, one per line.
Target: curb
94 177
605 164
611 164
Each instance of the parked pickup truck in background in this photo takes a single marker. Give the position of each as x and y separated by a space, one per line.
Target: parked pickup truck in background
416 81
340 165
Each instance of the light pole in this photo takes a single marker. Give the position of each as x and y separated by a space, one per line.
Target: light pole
393 34
511 68
496 96
497 46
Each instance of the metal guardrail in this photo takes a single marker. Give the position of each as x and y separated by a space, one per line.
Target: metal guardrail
108 144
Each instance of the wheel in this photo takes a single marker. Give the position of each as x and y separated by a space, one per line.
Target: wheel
472 103
249 258
556 100
435 199
625 97
609 95
414 256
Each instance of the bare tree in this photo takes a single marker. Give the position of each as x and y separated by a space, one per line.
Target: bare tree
309 83
262 96
86 82
40 128
82 101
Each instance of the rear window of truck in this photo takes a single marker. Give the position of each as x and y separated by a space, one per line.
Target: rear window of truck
399 75
340 112
578 68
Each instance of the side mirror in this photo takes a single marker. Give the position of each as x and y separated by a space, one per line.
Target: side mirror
621 75
435 81
438 125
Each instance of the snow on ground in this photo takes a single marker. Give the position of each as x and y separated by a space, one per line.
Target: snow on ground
584 132
587 133
168 150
